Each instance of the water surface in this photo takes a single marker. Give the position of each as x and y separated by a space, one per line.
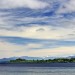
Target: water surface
22 70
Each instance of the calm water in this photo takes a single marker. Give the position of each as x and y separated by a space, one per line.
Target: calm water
21 70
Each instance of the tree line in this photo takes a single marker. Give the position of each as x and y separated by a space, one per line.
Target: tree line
57 60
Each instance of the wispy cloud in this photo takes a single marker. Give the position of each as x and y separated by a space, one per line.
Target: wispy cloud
32 4
10 49
37 27
68 6
48 32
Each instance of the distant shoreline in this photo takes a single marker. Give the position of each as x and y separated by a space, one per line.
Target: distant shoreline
38 64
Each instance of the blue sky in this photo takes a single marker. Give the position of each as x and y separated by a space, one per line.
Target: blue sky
37 28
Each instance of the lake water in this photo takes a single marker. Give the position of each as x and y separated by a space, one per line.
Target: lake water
21 70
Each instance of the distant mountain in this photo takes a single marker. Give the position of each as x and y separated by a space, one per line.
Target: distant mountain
8 59
23 57
30 58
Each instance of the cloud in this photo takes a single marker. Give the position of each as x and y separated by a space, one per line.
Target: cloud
31 32
10 49
9 46
54 52
52 29
30 27
32 4
67 7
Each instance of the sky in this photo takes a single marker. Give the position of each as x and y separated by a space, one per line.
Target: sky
37 28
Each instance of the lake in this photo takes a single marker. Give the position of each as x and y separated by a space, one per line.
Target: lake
24 70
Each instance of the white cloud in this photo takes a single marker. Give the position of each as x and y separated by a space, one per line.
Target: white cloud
59 51
32 4
4 20
6 46
34 45
65 30
67 7
9 50
33 32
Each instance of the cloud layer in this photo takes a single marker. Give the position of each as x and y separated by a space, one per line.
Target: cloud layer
32 4
67 7
37 28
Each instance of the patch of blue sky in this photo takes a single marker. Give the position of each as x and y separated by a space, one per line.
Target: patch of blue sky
26 12
14 14
69 15
47 43
19 40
